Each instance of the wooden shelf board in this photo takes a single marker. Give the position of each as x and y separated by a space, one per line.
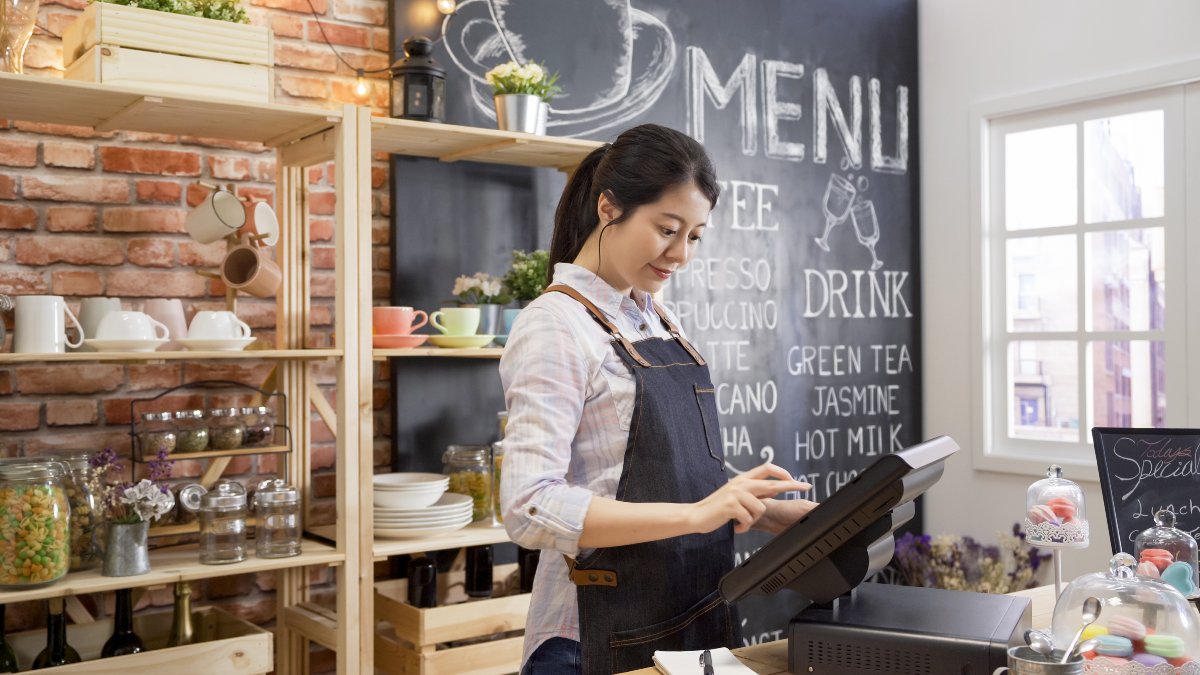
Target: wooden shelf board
438 352
205 454
169 565
472 535
151 357
55 101
453 142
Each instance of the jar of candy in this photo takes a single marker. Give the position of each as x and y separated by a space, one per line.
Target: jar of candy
1168 553
156 434
470 471
259 422
35 523
278 507
85 551
222 515
1055 515
225 429
191 431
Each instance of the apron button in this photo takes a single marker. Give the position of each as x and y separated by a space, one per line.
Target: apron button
593 578
608 578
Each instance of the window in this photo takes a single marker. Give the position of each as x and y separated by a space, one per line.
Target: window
1084 223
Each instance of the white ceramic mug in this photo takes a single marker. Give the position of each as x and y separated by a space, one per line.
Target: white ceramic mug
122 325
218 216
223 325
91 311
41 327
168 311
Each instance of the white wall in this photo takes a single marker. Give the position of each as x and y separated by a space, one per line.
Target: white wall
973 51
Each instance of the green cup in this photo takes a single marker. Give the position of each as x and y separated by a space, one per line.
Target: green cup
456 321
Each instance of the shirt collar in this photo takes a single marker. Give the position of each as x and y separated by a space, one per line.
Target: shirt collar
598 291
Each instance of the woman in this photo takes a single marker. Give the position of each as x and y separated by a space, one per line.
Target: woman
613 452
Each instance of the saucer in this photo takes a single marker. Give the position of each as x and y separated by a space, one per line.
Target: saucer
216 344
460 341
397 341
124 345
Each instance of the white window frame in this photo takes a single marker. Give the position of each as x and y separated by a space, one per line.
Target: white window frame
1174 88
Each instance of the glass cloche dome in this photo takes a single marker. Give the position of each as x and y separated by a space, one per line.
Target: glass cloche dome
1144 626
1055 515
1167 553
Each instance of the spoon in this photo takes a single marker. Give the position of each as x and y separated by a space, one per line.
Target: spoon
1086 646
1039 641
1091 612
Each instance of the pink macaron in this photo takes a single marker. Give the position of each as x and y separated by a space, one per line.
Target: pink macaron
1040 513
1148 569
1063 507
1126 627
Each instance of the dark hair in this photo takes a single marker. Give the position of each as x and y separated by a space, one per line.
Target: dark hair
634 170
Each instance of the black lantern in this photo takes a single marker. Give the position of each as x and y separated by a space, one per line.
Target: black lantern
418 83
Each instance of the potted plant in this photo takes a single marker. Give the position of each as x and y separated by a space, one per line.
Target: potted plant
486 292
526 279
522 95
128 509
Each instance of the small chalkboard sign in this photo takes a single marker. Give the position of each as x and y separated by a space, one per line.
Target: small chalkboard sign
1143 471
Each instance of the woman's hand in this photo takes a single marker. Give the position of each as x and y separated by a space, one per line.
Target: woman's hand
782 513
742 499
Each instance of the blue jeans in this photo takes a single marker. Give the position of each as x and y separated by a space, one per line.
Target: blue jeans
556 656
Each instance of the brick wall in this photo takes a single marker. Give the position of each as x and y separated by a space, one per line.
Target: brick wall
88 214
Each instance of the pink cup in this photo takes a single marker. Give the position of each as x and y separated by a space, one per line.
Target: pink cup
396 320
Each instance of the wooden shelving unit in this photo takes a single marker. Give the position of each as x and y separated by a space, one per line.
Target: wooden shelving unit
151 357
453 143
439 353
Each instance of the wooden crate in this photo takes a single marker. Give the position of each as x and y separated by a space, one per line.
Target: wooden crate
169 54
225 644
419 648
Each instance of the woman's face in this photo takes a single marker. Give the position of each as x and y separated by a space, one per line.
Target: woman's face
658 239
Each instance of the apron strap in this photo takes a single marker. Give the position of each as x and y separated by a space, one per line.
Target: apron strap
599 316
589 577
674 330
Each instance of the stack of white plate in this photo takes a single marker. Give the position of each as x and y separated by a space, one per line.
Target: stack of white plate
417 505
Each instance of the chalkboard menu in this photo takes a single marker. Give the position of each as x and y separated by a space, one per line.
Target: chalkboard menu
1143 471
805 294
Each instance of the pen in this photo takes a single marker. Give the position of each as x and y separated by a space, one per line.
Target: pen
706 661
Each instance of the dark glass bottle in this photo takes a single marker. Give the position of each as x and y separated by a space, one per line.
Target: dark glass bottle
124 640
8 660
527 563
182 632
57 651
422 582
479 572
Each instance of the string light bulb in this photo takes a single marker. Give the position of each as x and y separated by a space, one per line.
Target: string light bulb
447 6
360 85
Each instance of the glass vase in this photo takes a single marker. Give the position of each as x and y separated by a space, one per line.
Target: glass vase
17 19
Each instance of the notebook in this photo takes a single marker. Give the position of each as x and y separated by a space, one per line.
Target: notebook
688 663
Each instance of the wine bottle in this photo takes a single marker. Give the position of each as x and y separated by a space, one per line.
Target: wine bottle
182 632
8 659
479 572
57 651
124 640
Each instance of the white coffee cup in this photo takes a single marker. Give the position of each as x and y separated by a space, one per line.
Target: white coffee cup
91 311
218 216
223 325
124 325
41 327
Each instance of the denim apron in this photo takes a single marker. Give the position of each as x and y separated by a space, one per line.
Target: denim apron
659 595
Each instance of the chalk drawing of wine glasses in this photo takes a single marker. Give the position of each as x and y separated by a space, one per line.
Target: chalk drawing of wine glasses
839 194
866 227
844 199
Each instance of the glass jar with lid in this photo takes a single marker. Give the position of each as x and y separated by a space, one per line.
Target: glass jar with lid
191 431
278 507
470 470
497 470
156 434
222 515
35 523
1055 513
1142 620
1168 553
259 423
85 551
225 429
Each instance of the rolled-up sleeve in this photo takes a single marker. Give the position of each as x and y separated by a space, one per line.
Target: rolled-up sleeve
545 376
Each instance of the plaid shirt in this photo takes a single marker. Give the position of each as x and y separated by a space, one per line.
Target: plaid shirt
570 401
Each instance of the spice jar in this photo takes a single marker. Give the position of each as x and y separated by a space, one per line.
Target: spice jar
156 434
470 471
35 523
259 422
85 552
222 515
191 431
278 506
225 429
497 463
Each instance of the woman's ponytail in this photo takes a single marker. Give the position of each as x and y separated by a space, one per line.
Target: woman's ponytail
576 215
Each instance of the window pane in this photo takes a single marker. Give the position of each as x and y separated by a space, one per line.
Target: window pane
1129 387
1039 178
1128 279
1044 382
1123 167
1042 283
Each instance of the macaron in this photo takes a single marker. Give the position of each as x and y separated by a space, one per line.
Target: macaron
1063 507
1093 631
1115 660
1181 575
1126 627
1166 646
1148 660
1040 513
1114 645
1148 569
1180 662
1160 557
